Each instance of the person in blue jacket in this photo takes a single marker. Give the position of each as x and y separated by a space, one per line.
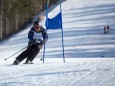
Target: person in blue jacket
37 37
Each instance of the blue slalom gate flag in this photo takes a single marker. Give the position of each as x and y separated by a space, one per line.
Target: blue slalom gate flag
54 23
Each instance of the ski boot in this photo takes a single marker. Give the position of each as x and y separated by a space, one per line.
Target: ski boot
15 62
28 62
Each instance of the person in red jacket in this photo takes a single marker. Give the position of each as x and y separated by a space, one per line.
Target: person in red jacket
108 28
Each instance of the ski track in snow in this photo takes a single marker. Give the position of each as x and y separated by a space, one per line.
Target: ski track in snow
89 54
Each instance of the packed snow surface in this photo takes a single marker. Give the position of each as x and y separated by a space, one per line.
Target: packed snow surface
89 53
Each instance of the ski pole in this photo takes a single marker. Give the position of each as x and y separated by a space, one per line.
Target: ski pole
17 52
41 54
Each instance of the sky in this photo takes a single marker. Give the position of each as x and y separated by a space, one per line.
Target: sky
89 53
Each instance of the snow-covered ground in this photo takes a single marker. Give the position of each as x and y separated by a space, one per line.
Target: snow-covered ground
89 54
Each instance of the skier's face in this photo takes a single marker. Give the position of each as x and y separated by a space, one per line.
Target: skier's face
37 28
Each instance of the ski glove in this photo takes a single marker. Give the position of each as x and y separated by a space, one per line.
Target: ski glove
43 41
36 41
40 46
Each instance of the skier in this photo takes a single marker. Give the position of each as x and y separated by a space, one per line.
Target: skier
104 30
108 28
37 37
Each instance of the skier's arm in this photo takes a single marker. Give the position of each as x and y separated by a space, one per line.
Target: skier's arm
30 35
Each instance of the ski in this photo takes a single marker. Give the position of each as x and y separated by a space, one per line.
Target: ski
28 63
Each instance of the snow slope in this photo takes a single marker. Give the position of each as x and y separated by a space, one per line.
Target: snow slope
89 53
